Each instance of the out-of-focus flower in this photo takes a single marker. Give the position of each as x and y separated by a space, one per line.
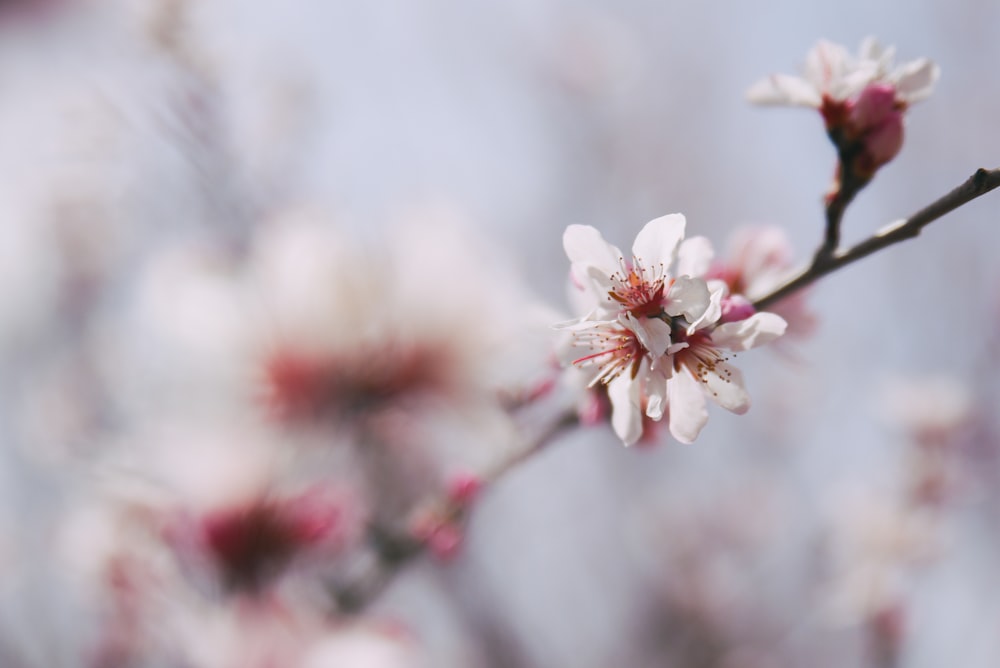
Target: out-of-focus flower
929 408
249 543
877 545
937 414
364 646
240 513
759 258
862 99
351 331
410 351
655 339
269 633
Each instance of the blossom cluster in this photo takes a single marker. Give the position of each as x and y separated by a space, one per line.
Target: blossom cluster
660 339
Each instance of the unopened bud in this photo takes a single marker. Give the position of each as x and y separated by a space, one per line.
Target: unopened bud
876 123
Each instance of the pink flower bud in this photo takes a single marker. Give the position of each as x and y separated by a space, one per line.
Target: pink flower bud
876 119
463 488
736 307
445 542
873 106
441 536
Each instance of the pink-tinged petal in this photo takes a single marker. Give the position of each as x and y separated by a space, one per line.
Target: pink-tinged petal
688 297
714 310
582 295
735 308
761 249
756 330
695 257
688 413
850 84
626 412
724 385
653 333
915 80
657 241
585 247
599 283
825 62
784 90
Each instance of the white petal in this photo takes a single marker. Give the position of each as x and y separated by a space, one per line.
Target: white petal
657 241
714 310
870 49
694 257
583 297
688 413
598 282
851 83
585 247
782 89
653 333
826 63
758 329
725 387
626 413
915 80
688 297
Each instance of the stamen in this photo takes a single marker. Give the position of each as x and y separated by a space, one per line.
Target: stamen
615 350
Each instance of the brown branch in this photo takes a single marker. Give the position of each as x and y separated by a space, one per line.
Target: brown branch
980 183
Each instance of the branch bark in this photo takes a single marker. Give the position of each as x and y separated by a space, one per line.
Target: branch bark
980 183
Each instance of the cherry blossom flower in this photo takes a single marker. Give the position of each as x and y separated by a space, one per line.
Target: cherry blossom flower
878 545
702 370
249 543
639 290
758 259
862 99
656 340
931 408
832 77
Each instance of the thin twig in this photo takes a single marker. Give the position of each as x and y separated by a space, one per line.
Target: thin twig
394 552
565 421
848 185
980 183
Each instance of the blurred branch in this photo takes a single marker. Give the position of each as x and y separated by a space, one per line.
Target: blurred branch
394 550
980 183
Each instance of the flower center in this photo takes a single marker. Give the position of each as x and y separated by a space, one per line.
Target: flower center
639 289
701 358
615 349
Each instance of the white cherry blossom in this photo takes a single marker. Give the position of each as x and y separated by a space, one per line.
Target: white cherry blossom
832 76
656 340
701 369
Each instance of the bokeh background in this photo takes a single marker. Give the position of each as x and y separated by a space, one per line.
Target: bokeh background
131 128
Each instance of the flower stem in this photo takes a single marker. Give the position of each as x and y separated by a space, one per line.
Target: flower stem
980 183
847 187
